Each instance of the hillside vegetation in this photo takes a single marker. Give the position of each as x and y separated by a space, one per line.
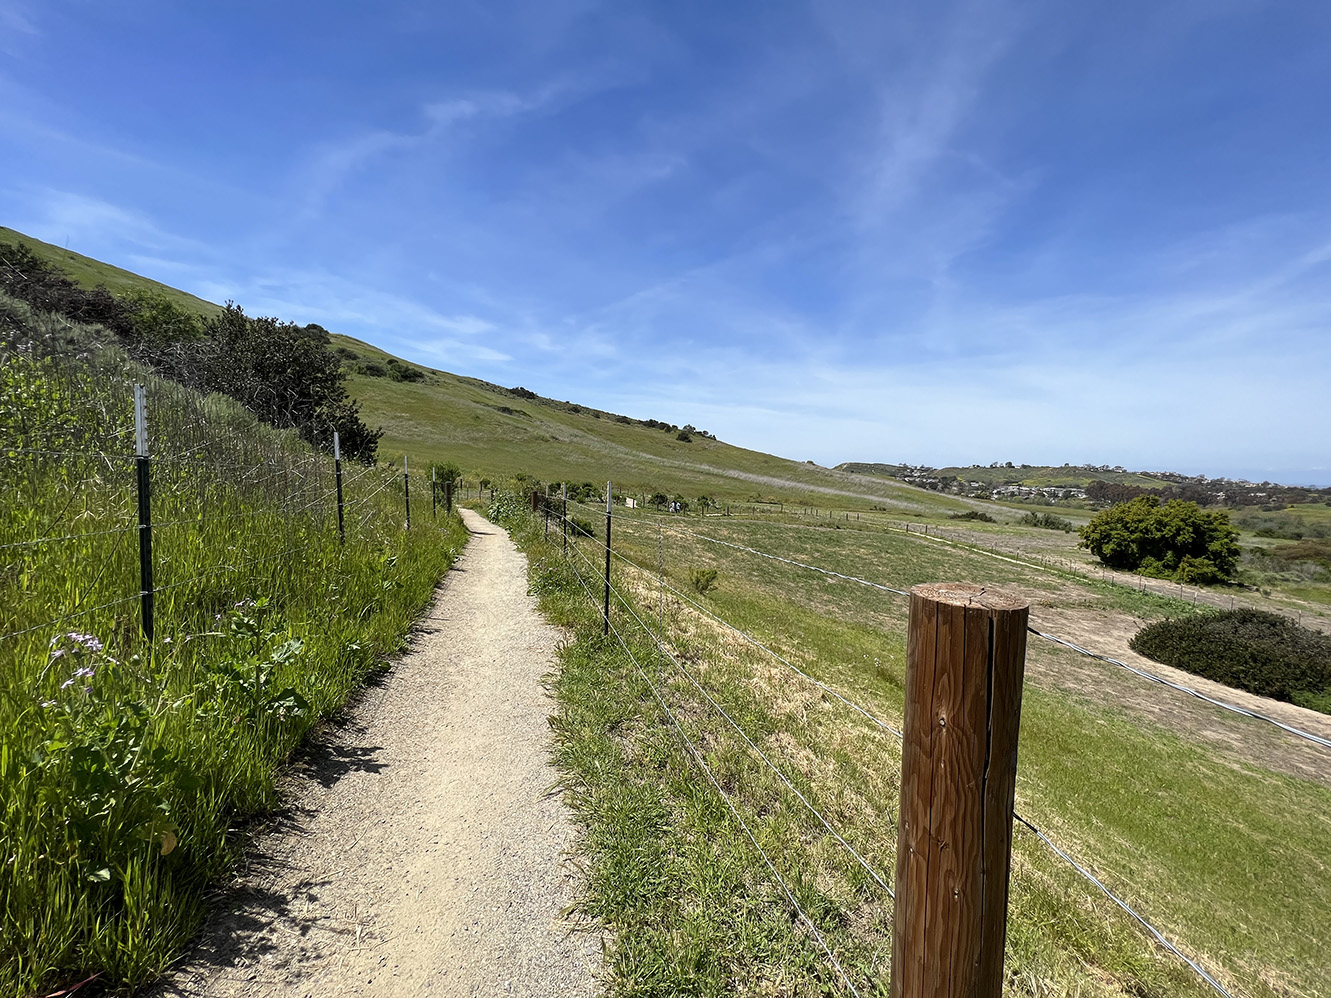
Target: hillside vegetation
126 765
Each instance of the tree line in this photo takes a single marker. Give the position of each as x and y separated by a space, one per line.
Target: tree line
286 374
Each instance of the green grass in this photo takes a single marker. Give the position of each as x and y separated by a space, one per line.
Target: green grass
1229 860
448 417
125 766
89 273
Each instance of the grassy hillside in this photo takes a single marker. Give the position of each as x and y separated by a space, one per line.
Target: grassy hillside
1197 817
490 430
90 273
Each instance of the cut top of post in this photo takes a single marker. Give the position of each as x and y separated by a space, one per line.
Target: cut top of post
966 594
609 492
337 447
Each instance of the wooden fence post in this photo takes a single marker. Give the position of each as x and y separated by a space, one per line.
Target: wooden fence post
966 657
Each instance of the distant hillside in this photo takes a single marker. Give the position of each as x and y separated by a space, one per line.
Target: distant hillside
494 431
1096 484
434 415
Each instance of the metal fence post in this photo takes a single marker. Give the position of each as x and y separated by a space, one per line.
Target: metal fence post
434 495
966 656
406 489
337 471
448 497
609 493
563 494
141 465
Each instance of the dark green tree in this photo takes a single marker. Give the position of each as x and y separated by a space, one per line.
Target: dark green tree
1174 540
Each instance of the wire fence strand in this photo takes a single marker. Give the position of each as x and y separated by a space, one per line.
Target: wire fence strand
864 863
730 805
1144 674
1154 932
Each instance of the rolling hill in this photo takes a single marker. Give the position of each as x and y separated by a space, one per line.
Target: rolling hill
493 431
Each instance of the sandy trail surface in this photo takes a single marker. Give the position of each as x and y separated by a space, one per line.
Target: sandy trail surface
424 851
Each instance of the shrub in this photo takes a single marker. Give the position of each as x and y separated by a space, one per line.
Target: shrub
1257 651
703 580
373 370
684 435
286 374
1047 521
580 527
973 514
1159 540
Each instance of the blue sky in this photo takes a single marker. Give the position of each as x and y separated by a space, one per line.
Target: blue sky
931 232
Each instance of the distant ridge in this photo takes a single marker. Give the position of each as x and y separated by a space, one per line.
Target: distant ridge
89 273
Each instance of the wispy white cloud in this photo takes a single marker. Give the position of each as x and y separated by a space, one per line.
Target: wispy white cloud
335 162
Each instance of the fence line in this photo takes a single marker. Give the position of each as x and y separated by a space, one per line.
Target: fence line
758 644
730 805
1080 869
658 640
299 513
1159 937
1152 677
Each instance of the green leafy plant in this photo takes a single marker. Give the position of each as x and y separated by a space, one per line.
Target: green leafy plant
703 580
973 514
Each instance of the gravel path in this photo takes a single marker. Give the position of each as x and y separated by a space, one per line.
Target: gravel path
424 852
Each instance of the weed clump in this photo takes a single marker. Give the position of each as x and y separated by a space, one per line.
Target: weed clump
703 580
1257 651
973 514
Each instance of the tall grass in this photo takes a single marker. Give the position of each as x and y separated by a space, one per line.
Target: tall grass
124 764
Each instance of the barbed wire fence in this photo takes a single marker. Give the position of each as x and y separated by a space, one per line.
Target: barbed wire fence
128 499
627 605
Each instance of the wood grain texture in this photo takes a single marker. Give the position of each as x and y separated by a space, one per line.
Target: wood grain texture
965 664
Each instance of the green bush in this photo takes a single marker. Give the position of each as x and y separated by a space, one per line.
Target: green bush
1263 653
286 374
1046 521
973 514
1175 540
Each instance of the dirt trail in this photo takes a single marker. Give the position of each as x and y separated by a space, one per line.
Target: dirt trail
425 853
